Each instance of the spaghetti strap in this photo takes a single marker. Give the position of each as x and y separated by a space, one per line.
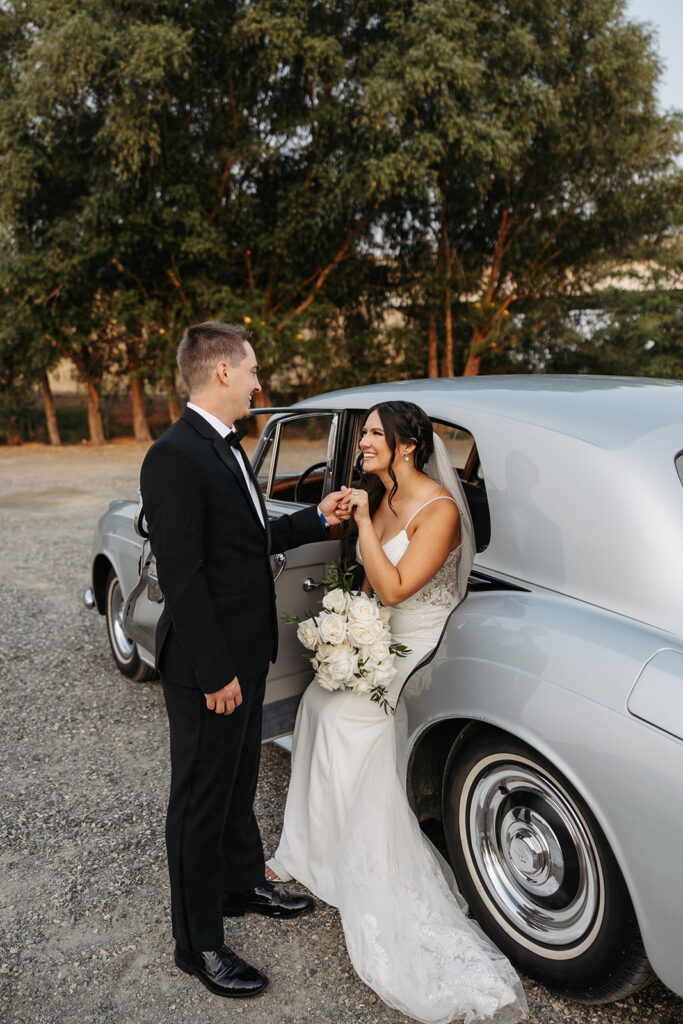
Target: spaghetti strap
439 497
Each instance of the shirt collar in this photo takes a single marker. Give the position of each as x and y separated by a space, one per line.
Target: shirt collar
217 424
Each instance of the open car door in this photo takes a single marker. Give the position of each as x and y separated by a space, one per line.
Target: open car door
295 465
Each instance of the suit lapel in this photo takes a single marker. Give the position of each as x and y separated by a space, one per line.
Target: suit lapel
262 503
259 493
229 460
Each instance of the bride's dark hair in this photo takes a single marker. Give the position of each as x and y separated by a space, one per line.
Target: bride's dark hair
402 423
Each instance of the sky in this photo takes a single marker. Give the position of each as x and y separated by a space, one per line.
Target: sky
667 18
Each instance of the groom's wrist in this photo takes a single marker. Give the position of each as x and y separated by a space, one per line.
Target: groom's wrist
321 517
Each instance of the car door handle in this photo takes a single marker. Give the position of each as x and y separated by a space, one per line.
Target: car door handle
310 584
279 562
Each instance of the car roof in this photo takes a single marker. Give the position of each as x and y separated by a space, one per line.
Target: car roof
604 411
580 478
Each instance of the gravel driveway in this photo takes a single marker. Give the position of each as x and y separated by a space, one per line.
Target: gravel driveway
84 926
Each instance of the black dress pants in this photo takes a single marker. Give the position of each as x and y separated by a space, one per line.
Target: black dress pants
212 836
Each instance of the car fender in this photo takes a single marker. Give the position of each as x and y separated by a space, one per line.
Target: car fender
115 544
556 674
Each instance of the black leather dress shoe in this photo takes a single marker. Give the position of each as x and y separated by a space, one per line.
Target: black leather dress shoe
269 900
222 971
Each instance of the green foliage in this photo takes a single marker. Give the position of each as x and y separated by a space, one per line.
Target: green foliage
538 155
332 175
631 334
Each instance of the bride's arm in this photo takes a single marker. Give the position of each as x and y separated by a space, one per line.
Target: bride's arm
437 528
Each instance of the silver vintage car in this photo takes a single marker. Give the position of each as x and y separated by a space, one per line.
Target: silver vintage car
545 733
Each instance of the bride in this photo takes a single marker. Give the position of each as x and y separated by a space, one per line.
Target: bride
349 834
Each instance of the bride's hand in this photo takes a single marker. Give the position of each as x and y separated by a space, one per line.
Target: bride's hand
357 501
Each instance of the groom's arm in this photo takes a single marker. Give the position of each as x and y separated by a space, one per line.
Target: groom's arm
173 500
307 525
291 531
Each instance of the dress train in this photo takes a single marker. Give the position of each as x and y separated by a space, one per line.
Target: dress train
350 836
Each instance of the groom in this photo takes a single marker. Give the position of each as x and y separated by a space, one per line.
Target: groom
209 531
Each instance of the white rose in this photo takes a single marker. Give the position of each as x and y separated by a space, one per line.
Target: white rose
364 634
335 601
342 664
361 684
324 651
307 634
363 609
325 679
375 653
332 628
383 674
384 614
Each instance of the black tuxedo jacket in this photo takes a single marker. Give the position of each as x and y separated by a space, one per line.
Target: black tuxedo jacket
212 556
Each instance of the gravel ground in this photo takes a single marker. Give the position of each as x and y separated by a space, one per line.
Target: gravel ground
84 928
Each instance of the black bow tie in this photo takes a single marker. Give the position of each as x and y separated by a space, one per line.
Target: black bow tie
234 437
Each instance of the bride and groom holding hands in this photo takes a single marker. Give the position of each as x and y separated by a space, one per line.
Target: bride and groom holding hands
349 835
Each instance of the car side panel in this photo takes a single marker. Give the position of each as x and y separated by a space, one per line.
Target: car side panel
544 670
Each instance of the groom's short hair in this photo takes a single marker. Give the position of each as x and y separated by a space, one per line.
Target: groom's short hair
204 345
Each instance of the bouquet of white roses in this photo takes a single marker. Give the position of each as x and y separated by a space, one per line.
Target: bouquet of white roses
349 641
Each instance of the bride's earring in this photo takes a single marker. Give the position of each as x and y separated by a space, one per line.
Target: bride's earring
407 458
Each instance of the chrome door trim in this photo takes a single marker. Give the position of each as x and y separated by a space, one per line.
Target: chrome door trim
280 561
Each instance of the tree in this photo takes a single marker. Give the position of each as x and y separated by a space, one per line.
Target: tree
26 352
312 171
185 162
631 333
545 161
79 84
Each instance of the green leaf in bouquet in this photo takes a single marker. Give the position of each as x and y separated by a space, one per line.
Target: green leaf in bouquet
288 617
400 650
378 694
339 578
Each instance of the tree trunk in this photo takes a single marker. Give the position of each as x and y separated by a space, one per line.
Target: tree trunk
448 349
473 356
447 264
433 349
50 413
173 402
95 425
13 434
262 400
137 401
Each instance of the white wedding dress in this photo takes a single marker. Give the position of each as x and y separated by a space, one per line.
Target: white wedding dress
350 837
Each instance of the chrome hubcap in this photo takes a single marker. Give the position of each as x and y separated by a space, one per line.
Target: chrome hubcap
124 644
532 852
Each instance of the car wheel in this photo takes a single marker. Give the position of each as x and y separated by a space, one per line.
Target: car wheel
537 872
123 648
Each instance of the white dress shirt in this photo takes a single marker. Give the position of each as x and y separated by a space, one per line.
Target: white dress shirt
224 431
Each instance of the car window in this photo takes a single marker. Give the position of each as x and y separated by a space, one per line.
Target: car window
459 443
679 466
264 458
293 463
462 451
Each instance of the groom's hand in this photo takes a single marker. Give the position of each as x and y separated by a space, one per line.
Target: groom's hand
334 508
224 701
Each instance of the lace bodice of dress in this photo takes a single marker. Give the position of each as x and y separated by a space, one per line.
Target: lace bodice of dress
440 592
